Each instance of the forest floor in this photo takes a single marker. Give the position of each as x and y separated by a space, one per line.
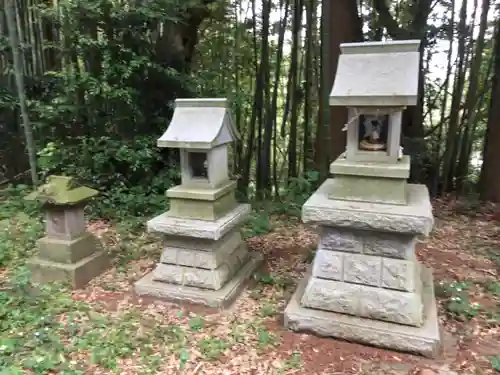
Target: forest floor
105 329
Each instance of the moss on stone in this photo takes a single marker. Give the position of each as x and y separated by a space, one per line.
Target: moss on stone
62 191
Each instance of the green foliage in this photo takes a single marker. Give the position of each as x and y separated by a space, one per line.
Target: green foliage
130 176
17 240
12 202
297 192
257 224
32 335
196 323
97 118
457 302
495 363
212 347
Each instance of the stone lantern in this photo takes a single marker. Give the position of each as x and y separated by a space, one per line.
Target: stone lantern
67 253
205 259
365 283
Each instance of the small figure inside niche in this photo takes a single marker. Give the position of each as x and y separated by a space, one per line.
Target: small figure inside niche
198 164
374 137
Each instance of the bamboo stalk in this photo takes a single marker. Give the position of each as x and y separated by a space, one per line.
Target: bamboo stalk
14 43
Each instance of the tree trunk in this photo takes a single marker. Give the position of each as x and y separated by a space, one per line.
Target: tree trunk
436 154
308 79
451 136
274 104
295 90
263 182
490 171
462 169
14 44
247 161
321 142
344 26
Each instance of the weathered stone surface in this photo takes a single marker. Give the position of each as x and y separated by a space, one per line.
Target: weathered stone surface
331 296
397 170
377 74
340 239
391 305
392 245
365 301
61 191
203 194
221 298
369 189
65 223
362 269
423 340
63 251
399 274
213 230
202 210
199 258
199 277
76 274
413 218
231 239
328 264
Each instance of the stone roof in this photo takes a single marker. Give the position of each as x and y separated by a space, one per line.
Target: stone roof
199 124
377 74
61 191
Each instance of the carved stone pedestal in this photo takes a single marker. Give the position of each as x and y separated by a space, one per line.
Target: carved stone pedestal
203 261
365 284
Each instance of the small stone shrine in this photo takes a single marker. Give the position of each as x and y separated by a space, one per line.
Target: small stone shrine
67 253
365 284
204 259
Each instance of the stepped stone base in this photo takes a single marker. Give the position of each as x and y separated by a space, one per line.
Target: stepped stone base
190 275
365 301
424 340
221 298
195 252
76 274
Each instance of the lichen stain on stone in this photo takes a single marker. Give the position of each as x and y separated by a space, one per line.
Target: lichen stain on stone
62 191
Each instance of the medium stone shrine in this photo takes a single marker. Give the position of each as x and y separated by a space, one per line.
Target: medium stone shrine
67 253
365 284
205 259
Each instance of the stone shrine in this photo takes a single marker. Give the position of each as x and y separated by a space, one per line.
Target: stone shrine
67 253
365 284
205 259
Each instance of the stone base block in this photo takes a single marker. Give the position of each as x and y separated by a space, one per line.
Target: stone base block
370 189
202 210
423 340
193 252
369 270
76 274
370 181
371 167
365 301
413 218
67 251
212 230
200 277
221 298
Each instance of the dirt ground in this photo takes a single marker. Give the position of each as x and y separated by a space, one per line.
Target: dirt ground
461 249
